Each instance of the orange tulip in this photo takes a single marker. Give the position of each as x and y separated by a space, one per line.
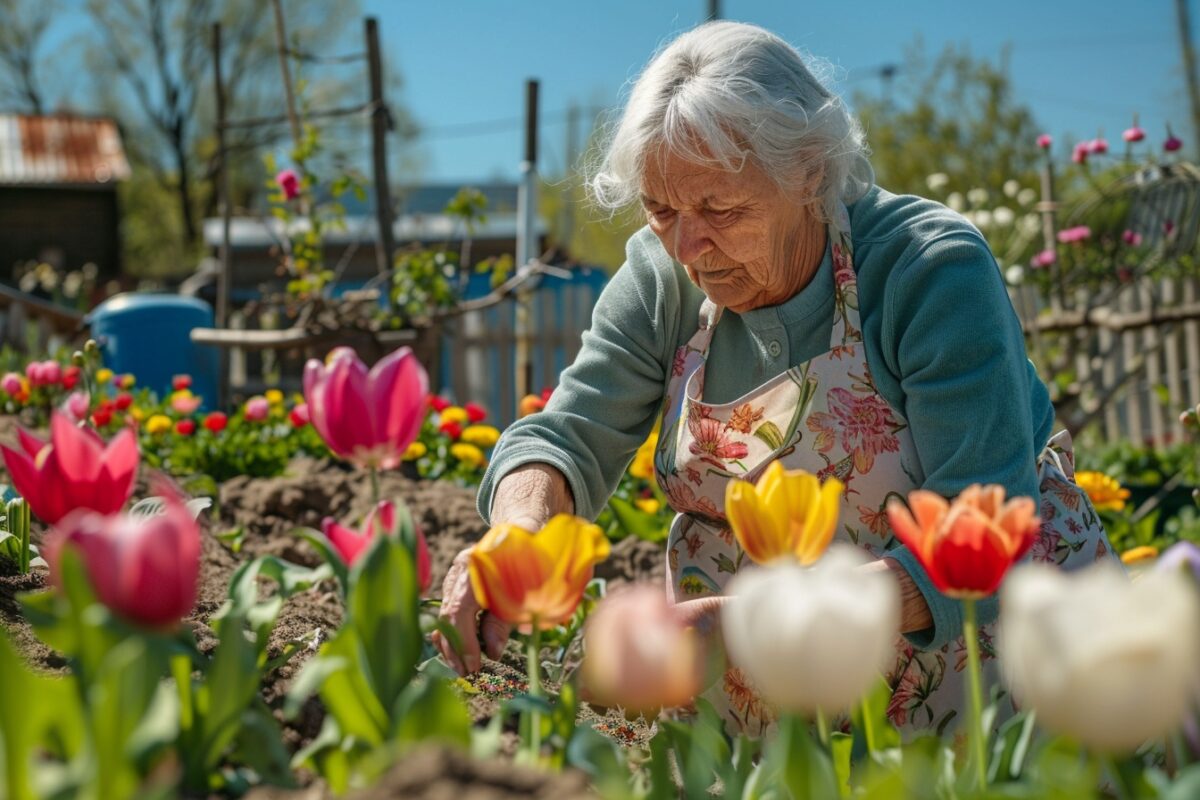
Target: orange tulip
788 513
522 577
640 655
966 546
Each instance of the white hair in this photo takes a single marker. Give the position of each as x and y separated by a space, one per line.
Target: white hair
727 91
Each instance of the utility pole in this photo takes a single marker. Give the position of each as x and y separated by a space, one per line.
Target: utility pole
1184 23
526 241
380 123
714 10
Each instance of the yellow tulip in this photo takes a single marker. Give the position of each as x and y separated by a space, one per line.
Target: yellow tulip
524 578
480 435
648 504
415 451
469 454
104 375
788 513
1136 555
642 465
274 396
159 423
454 414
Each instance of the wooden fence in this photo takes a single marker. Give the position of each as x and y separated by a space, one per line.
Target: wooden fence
35 327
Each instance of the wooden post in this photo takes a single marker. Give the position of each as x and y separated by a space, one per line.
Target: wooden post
380 119
526 240
226 254
289 95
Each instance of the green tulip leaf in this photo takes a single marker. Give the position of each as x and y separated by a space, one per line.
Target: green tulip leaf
431 710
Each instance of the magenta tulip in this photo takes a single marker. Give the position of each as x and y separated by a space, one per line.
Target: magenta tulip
1173 143
145 570
368 418
351 544
73 470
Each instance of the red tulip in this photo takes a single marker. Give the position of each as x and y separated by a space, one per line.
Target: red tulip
1134 134
145 570
185 427
475 412
966 546
70 377
351 544
74 470
299 415
451 429
438 403
181 382
123 401
1080 154
102 416
216 421
367 417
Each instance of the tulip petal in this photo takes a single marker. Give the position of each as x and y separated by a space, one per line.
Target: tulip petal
31 444
971 559
120 469
348 543
750 522
822 524
78 451
397 387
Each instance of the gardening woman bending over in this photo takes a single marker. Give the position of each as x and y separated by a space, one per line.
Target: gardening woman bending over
780 306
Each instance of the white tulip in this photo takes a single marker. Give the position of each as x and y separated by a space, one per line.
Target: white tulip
1026 196
1003 216
1011 187
937 180
812 638
955 201
1108 661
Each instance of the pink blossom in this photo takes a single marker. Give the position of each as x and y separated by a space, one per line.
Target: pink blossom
1044 141
1074 235
77 406
257 409
1098 146
1080 154
1172 143
11 383
1134 134
289 183
184 402
1131 238
1043 259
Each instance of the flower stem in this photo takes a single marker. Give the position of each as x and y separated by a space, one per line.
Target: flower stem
822 728
975 673
376 495
535 690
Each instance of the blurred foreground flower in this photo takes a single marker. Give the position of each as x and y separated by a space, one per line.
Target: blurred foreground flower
1108 661
1138 555
289 183
257 409
522 577
787 513
74 469
642 465
1104 492
966 546
813 638
639 656
367 417
144 569
351 544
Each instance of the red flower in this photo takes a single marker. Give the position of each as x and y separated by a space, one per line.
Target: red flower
70 377
451 429
289 183
475 412
966 546
1080 154
216 421
123 401
181 382
438 403
351 544
1098 146
102 416
185 427
299 416
1134 134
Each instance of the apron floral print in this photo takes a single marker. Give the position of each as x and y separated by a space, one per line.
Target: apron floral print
827 417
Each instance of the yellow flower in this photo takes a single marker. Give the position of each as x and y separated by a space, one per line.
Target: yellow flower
128 381
1138 554
481 435
1105 493
137 413
274 396
648 504
642 465
415 451
104 375
159 423
523 577
455 414
789 513
469 454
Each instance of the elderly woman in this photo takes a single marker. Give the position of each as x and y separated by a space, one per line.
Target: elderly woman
779 306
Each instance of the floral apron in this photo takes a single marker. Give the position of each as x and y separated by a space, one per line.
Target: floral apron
827 417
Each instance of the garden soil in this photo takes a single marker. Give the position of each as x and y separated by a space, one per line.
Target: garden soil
267 512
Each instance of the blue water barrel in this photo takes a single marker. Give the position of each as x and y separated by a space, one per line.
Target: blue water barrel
150 336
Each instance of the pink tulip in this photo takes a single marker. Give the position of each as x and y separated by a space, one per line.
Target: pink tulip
1098 147
351 544
184 402
639 654
1074 235
146 570
1134 134
1044 141
35 374
73 470
289 183
51 372
77 406
1080 154
1044 259
11 383
257 409
368 418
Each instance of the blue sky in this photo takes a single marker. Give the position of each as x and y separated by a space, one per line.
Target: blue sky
1081 66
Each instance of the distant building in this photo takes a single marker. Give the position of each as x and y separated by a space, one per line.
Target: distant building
420 221
58 192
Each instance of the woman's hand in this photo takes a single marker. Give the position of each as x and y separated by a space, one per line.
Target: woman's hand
527 497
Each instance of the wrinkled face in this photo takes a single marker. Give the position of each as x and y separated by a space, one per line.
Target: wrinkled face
740 238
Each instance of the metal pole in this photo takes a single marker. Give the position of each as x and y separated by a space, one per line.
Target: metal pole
526 240
226 255
384 245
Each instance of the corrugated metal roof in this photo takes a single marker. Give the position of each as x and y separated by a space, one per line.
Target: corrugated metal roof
60 150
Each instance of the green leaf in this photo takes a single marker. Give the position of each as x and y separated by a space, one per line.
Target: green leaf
431 710
601 758
769 432
840 746
873 731
347 693
1186 785
334 561
808 772
1011 748
383 608
636 522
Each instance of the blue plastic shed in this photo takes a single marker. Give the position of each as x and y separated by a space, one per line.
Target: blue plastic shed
150 336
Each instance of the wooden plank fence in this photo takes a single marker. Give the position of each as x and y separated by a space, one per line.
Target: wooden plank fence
34 327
